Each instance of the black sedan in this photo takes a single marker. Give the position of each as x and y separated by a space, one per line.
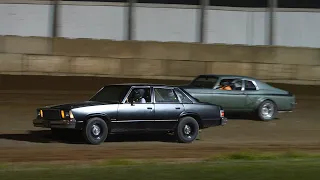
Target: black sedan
122 108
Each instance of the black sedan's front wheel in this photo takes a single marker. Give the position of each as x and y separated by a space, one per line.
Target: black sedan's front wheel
187 130
96 131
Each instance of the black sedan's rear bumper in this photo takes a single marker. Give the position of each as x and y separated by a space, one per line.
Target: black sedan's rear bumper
224 121
68 124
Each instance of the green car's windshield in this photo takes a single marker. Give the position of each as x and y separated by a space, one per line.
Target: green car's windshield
204 82
113 93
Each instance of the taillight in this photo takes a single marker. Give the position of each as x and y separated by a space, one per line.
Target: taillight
221 113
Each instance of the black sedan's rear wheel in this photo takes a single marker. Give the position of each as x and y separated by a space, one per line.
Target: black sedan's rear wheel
96 131
267 110
187 130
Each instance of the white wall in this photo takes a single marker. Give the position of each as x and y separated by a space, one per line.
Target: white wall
236 27
298 29
24 19
162 24
97 22
166 24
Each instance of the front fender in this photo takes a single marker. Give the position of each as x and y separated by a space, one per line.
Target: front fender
103 116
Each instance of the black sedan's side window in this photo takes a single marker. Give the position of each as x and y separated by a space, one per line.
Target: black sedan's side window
183 98
140 95
163 95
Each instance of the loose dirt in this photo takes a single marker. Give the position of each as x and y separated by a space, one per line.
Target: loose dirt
21 142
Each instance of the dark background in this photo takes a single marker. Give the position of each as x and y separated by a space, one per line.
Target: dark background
230 3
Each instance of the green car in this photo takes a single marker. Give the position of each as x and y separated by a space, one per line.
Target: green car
245 94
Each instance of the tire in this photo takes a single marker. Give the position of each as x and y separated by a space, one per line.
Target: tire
267 110
187 130
95 131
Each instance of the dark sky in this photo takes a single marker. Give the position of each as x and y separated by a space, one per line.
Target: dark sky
232 3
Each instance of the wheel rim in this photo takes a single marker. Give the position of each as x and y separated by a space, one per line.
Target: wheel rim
267 110
188 130
96 131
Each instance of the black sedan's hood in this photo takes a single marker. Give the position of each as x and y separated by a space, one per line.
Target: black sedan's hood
77 105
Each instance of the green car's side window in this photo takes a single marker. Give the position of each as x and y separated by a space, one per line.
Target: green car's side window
249 86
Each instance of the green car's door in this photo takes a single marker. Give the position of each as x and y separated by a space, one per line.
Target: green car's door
229 100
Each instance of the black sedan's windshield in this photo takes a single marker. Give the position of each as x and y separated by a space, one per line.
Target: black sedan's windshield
113 93
204 82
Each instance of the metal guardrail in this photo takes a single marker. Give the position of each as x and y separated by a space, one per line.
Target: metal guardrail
201 19
131 4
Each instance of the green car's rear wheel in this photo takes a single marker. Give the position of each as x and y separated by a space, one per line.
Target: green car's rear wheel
267 110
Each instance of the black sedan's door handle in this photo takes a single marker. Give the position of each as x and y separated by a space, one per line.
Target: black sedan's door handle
149 107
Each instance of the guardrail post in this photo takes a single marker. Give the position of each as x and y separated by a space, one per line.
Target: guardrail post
130 19
55 18
202 20
272 6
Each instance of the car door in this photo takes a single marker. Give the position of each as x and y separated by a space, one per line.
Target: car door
136 116
252 93
231 100
167 108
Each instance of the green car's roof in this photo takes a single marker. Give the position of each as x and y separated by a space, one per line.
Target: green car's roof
226 76
260 84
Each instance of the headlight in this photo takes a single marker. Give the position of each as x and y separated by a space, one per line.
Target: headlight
62 114
71 115
41 113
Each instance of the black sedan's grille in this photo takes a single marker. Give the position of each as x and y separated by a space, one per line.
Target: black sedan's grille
51 114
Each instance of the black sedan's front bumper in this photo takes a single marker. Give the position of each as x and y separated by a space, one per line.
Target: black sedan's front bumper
68 124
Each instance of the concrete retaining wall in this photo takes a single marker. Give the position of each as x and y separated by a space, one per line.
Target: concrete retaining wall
155 60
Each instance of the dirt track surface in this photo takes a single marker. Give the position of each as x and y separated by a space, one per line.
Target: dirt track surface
21 142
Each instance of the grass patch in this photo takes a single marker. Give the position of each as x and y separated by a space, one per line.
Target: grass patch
230 170
255 155
117 162
241 166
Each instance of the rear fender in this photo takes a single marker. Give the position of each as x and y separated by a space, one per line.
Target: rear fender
194 115
260 100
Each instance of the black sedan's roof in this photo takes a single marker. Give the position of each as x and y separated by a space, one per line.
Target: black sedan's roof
136 84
